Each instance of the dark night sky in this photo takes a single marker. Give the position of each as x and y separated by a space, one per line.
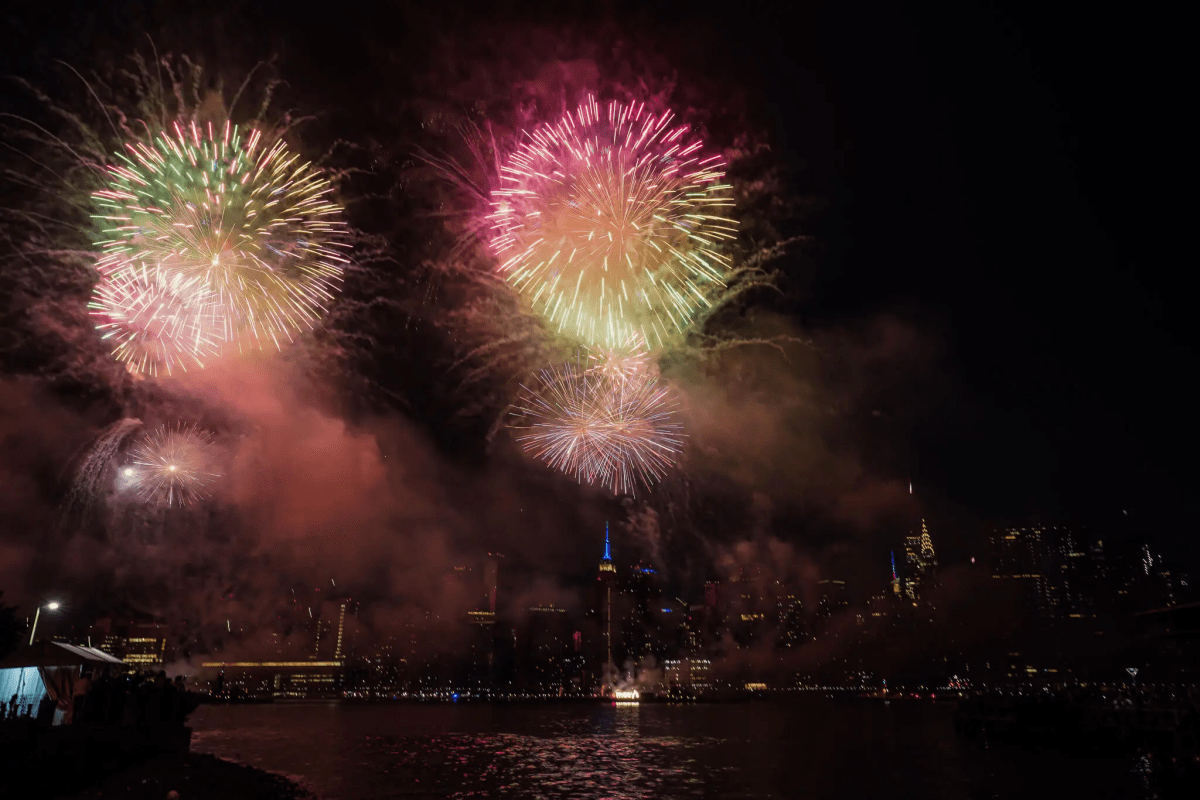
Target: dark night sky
995 176
1001 182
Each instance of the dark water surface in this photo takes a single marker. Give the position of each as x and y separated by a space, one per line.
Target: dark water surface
814 749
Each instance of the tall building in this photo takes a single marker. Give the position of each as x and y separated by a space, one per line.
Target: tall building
833 598
920 559
337 630
1021 557
481 643
491 577
606 580
1071 574
791 620
143 644
545 659
641 626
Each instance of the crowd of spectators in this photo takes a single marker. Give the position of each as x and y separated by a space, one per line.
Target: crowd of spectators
141 699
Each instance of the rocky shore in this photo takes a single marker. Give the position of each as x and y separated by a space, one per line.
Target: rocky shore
188 776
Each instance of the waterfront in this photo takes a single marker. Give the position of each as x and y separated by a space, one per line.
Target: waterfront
808 749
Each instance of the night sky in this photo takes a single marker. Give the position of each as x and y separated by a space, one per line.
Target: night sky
990 281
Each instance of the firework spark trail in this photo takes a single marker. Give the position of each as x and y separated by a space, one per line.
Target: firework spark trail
618 433
241 232
171 466
93 469
610 223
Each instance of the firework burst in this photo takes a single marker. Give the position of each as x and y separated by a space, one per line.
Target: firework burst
239 234
171 466
155 327
610 223
618 433
620 364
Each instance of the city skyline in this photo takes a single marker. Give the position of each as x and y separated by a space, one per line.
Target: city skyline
633 630
596 401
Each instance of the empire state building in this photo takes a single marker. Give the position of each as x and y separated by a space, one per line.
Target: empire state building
606 580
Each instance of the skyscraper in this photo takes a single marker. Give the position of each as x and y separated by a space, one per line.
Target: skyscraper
920 559
491 577
1021 557
337 628
605 583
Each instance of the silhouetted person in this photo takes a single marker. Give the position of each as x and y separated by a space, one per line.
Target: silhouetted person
45 711
79 699
180 710
168 702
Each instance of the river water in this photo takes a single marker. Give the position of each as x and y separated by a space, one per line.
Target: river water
810 749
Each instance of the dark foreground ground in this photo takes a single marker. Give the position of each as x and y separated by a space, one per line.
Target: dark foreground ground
194 776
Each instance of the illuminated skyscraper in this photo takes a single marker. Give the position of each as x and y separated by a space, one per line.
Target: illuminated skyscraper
920 559
491 576
606 581
1021 557
710 594
337 628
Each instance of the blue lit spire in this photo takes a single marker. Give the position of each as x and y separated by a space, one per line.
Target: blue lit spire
894 576
606 564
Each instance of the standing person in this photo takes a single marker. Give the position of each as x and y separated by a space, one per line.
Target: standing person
82 687
179 712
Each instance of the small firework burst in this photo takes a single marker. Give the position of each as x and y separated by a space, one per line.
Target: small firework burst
611 223
624 363
171 465
617 433
220 218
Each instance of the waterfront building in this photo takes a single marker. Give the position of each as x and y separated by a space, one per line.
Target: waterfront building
688 676
548 666
293 680
642 622
142 644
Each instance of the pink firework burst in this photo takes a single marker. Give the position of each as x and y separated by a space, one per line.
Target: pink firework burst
611 222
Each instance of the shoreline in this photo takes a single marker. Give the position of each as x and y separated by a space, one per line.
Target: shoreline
194 776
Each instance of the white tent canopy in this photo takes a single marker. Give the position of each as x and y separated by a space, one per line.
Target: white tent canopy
58 654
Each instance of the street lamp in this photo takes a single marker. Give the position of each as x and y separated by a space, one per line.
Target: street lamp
36 616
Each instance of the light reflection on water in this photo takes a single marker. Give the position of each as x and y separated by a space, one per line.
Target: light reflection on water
584 752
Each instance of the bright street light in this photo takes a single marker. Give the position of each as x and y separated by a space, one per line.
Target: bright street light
52 606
